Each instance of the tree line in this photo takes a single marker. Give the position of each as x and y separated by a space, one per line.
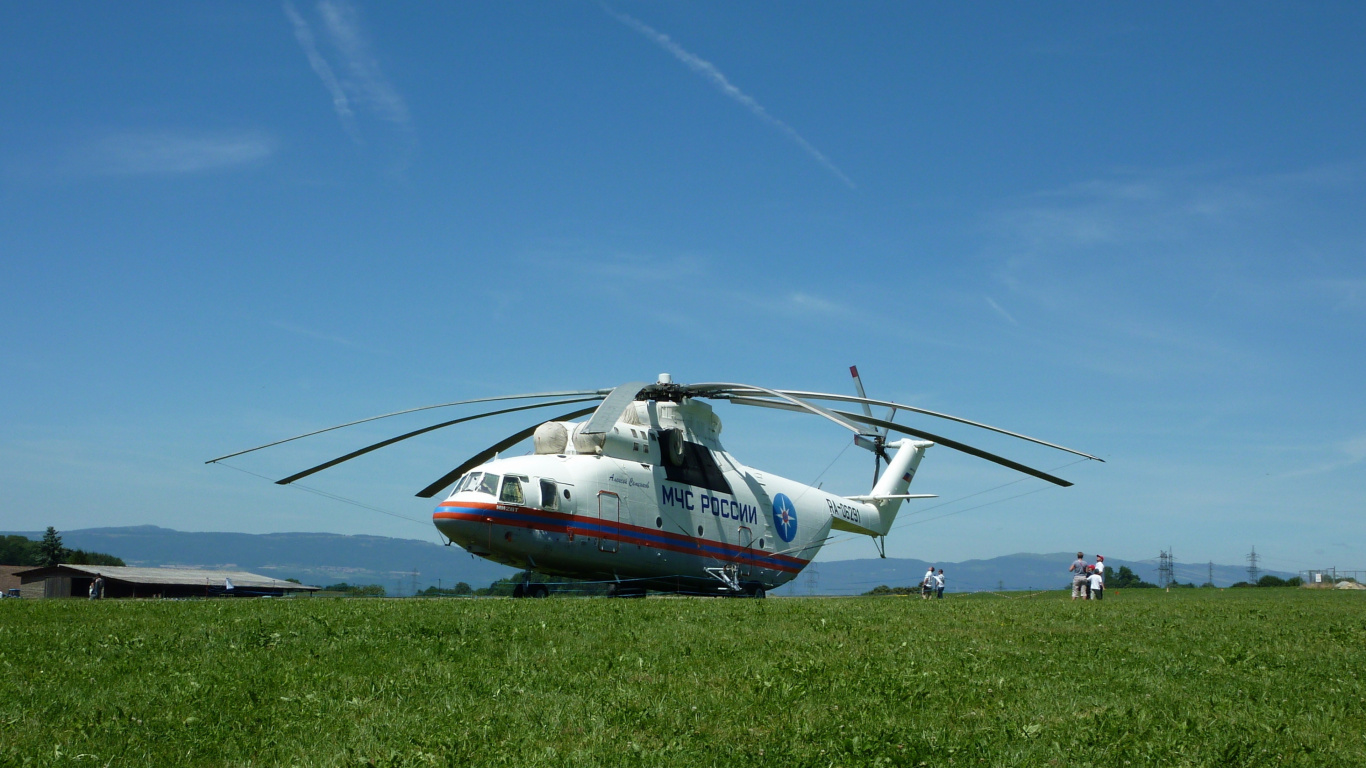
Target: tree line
20 550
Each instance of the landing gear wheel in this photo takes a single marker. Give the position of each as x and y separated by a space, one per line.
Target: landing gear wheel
539 590
758 593
519 590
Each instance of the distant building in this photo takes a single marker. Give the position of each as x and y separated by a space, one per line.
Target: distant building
122 581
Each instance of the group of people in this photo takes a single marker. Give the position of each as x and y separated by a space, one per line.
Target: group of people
97 587
932 585
1088 579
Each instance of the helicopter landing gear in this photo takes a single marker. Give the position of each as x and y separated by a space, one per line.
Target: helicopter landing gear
530 590
755 590
622 590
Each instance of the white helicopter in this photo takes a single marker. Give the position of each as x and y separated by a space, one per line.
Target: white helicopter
643 496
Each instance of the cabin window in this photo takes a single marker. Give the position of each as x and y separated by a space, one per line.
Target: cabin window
486 484
548 498
512 491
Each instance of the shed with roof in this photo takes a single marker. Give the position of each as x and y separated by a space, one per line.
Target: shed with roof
69 580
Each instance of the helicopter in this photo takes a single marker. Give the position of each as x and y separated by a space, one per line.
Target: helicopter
643 496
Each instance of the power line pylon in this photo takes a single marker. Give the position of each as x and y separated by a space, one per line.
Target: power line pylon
1164 569
1252 569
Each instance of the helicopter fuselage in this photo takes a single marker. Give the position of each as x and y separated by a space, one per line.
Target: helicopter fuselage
602 518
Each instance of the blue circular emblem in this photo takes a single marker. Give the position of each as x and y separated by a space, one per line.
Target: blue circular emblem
784 517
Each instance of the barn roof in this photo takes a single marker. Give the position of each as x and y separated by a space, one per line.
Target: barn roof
181 576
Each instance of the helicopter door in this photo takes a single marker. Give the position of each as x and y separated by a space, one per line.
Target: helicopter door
746 542
609 510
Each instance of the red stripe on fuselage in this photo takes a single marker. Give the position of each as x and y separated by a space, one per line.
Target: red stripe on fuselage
558 522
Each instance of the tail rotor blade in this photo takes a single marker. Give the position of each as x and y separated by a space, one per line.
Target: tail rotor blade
490 452
880 453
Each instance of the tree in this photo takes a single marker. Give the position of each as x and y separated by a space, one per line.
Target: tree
50 549
505 587
1125 578
18 550
81 557
356 590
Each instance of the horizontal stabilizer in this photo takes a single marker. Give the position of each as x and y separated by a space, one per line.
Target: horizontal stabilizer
888 496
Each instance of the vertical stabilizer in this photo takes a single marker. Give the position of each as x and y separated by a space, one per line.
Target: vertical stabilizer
897 479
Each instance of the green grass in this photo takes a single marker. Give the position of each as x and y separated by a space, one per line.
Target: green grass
1147 678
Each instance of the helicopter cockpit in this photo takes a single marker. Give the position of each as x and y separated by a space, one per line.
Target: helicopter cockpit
507 489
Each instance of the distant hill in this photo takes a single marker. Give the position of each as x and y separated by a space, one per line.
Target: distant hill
328 558
313 558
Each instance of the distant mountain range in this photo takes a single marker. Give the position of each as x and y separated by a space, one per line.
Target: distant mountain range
328 558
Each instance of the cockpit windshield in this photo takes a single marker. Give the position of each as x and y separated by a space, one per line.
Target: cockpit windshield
477 482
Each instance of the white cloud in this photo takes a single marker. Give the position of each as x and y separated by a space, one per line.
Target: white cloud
340 103
714 75
343 27
175 153
992 303
363 83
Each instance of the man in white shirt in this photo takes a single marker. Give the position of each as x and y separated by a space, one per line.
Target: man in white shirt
927 584
939 585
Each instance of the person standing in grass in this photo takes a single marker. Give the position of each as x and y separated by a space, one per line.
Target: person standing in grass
927 584
1096 583
939 584
1078 571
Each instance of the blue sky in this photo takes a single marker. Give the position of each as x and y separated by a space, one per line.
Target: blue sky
1136 230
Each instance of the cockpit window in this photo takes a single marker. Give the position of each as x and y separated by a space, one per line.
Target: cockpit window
549 499
486 484
464 482
512 491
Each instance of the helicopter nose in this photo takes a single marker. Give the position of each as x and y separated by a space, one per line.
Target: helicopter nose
459 523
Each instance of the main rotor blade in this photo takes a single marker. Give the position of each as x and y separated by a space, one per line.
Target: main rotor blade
913 409
613 406
944 441
490 452
415 433
567 393
720 390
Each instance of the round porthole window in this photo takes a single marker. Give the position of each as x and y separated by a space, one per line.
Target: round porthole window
659 522
699 530
566 493
761 543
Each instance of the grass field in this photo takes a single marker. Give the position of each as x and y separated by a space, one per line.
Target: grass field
1193 677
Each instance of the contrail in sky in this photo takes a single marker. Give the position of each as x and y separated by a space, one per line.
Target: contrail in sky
364 84
707 70
304 33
